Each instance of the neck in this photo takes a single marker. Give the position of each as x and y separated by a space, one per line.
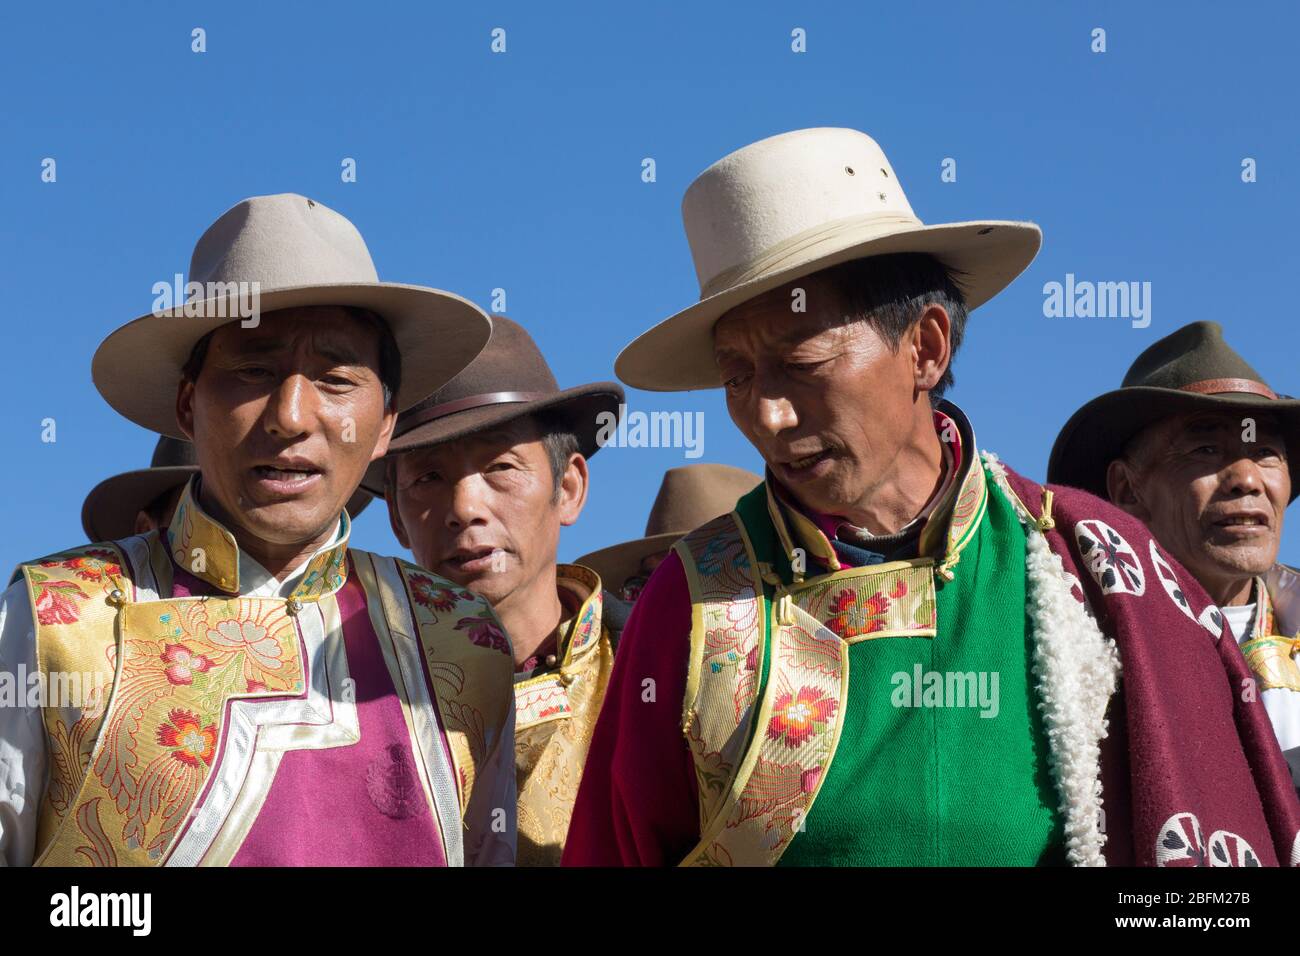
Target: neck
1231 593
913 477
530 614
278 559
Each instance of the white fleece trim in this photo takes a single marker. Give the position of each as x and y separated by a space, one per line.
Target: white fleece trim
1077 669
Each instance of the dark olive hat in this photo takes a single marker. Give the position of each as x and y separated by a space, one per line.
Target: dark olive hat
1191 369
508 380
110 509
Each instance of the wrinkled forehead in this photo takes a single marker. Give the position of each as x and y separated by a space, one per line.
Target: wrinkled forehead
515 435
1216 422
339 334
783 317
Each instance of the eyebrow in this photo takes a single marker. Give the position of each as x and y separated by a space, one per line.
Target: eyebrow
336 352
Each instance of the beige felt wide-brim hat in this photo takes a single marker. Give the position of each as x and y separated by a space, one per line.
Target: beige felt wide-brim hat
789 206
689 496
300 253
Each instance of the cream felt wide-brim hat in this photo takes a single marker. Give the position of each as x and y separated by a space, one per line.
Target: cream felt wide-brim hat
299 253
792 205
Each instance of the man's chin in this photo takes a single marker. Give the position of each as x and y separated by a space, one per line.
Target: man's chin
490 585
1243 560
288 522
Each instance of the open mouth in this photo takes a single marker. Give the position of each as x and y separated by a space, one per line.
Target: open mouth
1242 524
286 478
806 466
474 560
809 460
290 475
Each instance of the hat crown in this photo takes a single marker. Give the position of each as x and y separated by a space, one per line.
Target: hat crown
173 452
282 242
1194 353
692 495
511 362
769 194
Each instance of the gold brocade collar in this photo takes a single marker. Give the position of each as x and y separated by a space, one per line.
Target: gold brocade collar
959 511
202 546
581 632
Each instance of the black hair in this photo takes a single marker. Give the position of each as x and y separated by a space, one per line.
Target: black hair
889 292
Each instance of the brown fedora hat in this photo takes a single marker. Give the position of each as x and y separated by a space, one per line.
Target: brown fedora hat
509 379
1191 369
688 497
109 511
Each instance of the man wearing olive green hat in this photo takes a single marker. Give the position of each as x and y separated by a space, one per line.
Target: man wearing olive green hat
1197 446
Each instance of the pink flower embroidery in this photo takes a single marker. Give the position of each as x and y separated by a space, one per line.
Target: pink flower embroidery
432 595
54 604
183 663
485 633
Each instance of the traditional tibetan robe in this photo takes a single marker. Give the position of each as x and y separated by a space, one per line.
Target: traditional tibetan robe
1270 642
363 718
556 705
971 704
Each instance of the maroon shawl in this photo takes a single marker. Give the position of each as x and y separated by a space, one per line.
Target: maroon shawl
1191 771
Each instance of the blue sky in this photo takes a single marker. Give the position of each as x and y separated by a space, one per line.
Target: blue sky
522 171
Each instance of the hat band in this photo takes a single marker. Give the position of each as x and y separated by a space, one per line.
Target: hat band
1215 386
464 404
795 248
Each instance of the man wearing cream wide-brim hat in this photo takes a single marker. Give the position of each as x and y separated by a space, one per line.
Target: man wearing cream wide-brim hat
253 691
889 652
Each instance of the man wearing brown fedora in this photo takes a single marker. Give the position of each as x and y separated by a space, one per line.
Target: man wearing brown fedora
688 497
136 502
896 650
480 477
252 690
1197 446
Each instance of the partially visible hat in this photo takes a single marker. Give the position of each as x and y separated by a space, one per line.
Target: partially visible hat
1191 369
688 497
791 205
300 253
508 380
109 511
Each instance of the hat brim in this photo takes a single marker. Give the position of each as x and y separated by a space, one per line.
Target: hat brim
1096 434
108 513
677 354
619 562
581 406
137 368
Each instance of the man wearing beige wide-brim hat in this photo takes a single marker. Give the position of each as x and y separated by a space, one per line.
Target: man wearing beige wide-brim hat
250 689
688 497
889 652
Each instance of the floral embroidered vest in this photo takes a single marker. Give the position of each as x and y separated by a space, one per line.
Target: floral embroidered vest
555 714
769 697
197 707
